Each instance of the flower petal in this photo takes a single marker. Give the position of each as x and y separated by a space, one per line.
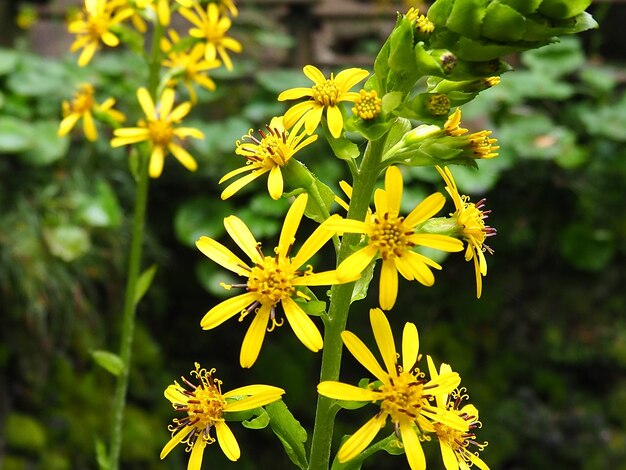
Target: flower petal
302 325
255 335
157 158
410 346
412 446
183 157
295 94
393 189
166 103
175 440
339 224
227 441
195 459
275 183
314 74
425 209
175 395
342 391
249 390
313 118
449 457
290 225
384 339
388 289
439 242
221 255
294 113
254 401
241 235
67 124
227 309
146 103
334 120
312 245
346 79
89 127
361 439
356 263
241 182
362 354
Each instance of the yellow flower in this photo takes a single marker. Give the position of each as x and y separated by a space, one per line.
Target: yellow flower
393 237
326 94
367 105
159 129
83 106
272 280
211 27
191 65
26 17
479 143
206 407
401 391
93 25
454 443
470 218
269 154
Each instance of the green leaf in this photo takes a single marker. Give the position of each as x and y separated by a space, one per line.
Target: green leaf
556 60
362 284
144 282
312 210
47 147
67 242
466 17
101 209
503 23
260 421
109 361
289 431
8 60
102 457
561 9
342 147
312 307
15 135
200 216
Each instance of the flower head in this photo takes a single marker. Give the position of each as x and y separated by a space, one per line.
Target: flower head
401 391
480 144
275 149
458 447
272 280
84 106
160 130
93 25
326 94
470 218
211 27
367 105
205 407
392 237
189 65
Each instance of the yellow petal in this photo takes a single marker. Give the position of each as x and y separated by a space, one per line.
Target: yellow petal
146 103
356 263
439 242
362 354
388 289
341 391
221 255
227 309
346 79
241 234
412 446
479 279
384 339
175 395
294 113
179 112
254 401
393 189
248 390
325 278
339 224
410 346
334 120
295 94
275 183
253 340
176 438
314 74
235 172
110 39
163 12
87 54
448 418
449 457
312 245
418 268
425 209
290 226
360 439
183 157
227 441
302 325
184 132
313 118
476 460
380 202
166 102
241 182
157 158
195 459
67 124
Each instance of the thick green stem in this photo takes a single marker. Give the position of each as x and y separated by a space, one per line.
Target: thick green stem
128 320
341 296
134 266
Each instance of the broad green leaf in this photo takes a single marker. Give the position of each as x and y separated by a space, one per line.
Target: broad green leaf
47 147
503 23
144 282
260 421
312 307
342 147
289 431
67 242
561 9
109 361
15 135
466 17
362 284
8 60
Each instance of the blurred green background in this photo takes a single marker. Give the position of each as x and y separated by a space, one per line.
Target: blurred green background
543 353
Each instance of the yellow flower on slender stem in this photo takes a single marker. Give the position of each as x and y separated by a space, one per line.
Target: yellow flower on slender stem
401 391
212 27
205 408
276 147
455 444
84 106
93 25
470 219
160 130
393 237
326 94
190 65
272 280
480 143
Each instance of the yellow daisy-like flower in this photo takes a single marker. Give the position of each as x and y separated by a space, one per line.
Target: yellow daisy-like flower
160 130
367 105
401 391
272 280
212 27
393 237
84 106
326 94
480 143
269 154
205 407
190 65
93 25
470 218
455 444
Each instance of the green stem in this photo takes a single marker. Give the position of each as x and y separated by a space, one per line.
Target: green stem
128 320
134 266
341 296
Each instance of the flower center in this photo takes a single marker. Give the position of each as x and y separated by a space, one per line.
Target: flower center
97 25
206 407
161 132
472 219
326 93
272 280
390 236
403 397
482 145
454 438
368 105
83 100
